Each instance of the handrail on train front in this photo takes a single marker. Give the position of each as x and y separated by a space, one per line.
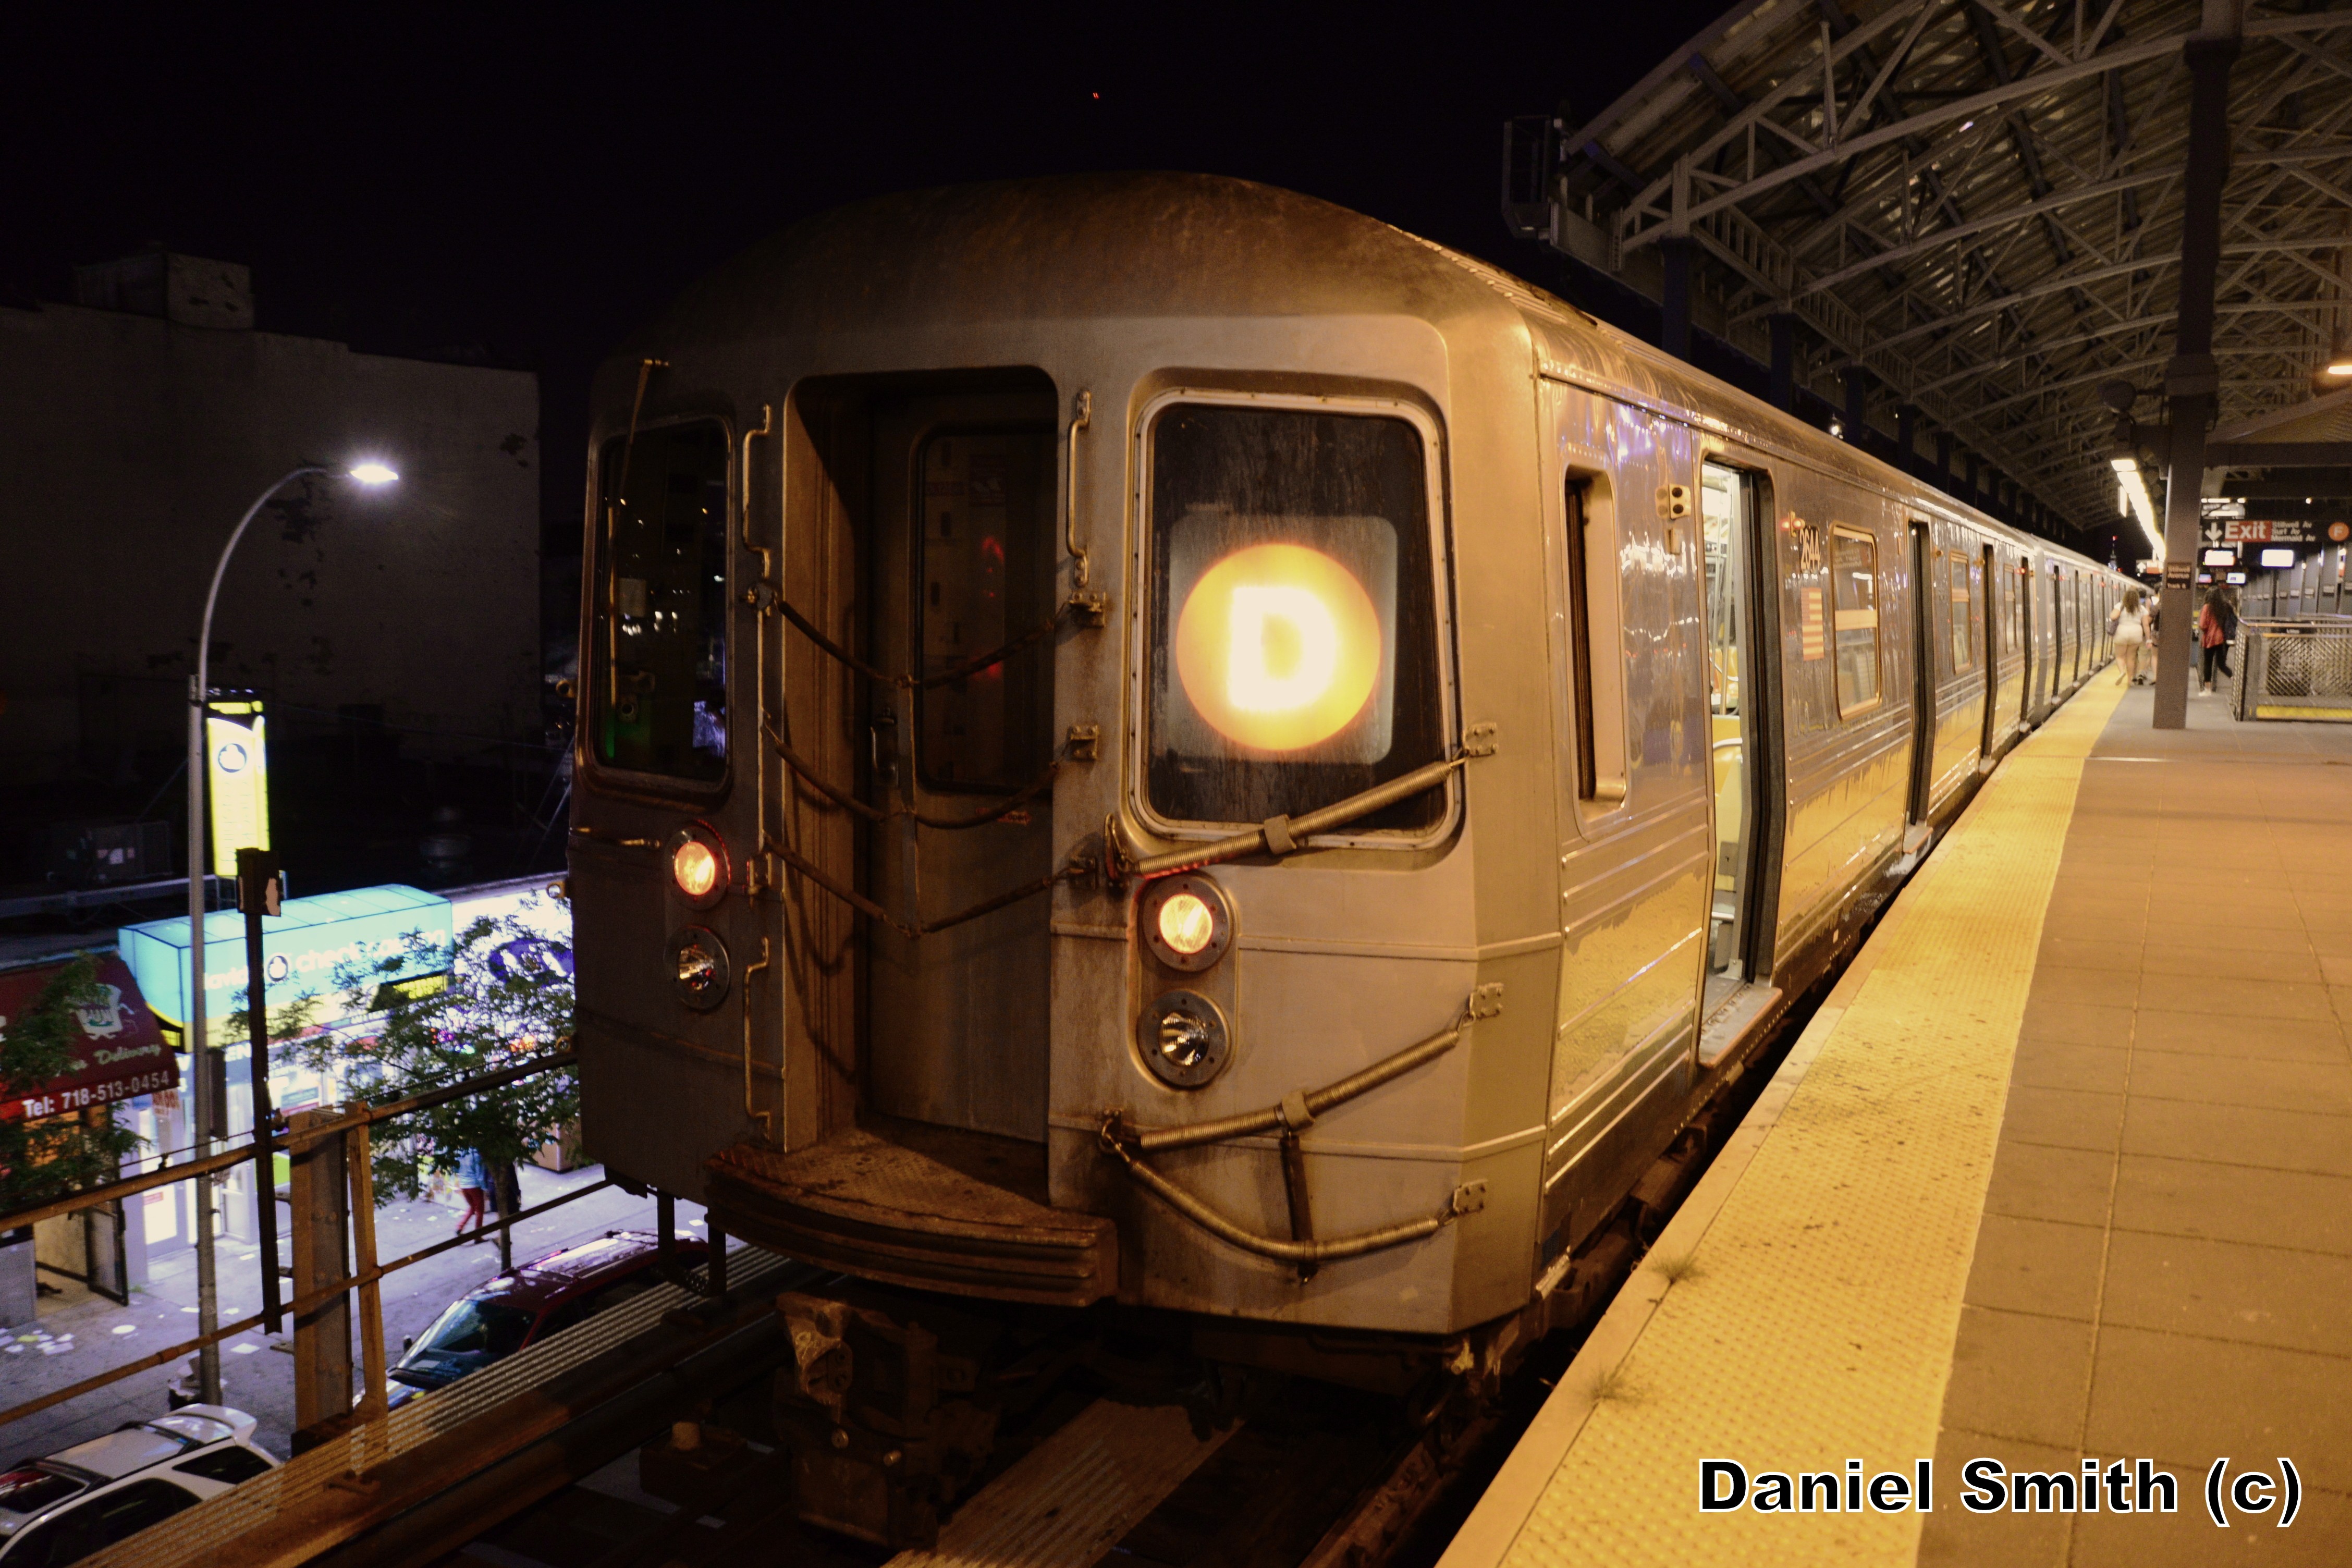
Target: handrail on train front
1128 1142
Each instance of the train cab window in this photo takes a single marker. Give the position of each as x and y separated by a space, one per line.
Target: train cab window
1854 588
1293 645
657 703
1968 575
985 513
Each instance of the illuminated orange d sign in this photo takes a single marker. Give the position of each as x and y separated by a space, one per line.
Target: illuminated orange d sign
1278 646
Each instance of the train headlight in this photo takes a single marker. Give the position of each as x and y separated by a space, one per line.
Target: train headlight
1186 921
698 865
697 966
1184 1039
1278 646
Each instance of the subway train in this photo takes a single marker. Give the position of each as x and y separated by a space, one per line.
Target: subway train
1152 748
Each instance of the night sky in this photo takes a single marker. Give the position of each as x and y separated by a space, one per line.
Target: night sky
524 185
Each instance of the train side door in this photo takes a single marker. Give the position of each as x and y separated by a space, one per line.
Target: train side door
1987 611
962 563
2020 581
1733 503
1929 593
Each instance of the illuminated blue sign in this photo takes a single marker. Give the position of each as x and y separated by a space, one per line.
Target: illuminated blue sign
301 950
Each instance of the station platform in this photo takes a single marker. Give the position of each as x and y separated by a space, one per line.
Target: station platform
2061 1172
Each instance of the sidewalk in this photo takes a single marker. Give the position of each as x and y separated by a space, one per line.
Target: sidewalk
257 1373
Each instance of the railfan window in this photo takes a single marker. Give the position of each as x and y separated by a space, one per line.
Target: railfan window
1854 578
983 518
1293 631
659 704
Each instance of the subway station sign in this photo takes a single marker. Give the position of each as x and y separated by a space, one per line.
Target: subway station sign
2259 530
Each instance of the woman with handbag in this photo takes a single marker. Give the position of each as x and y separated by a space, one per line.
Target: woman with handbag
2216 627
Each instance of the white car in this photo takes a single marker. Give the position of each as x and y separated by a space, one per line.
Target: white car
62 1509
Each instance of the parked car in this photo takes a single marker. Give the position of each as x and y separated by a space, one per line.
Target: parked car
62 1509
515 1312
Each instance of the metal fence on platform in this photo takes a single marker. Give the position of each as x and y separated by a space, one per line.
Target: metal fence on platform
279 1518
2299 669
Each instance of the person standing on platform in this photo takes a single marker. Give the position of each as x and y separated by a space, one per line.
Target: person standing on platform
2216 628
2127 629
474 1182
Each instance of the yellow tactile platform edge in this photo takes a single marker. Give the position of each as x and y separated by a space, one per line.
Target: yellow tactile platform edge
1800 1310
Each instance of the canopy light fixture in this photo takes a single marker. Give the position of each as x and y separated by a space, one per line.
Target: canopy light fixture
2132 498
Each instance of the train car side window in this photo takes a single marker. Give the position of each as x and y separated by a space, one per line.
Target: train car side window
1939 593
1965 580
1854 579
1292 637
658 700
1595 645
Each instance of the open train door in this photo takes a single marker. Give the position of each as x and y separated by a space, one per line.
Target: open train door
1923 672
1743 713
1995 645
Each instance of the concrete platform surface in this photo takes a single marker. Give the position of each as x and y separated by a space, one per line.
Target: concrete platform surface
2060 1175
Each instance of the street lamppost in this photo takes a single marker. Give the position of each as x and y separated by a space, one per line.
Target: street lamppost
370 473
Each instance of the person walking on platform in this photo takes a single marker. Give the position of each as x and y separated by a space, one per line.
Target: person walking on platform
2217 628
2127 629
474 1182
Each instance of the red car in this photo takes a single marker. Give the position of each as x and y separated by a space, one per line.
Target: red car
515 1312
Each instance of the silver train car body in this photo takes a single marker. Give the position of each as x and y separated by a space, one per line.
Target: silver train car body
1686 686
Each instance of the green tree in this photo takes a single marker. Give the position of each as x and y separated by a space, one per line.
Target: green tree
505 1002
56 1155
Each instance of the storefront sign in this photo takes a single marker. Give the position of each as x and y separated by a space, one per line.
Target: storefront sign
303 949
119 1052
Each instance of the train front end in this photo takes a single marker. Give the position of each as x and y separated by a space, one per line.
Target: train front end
1025 840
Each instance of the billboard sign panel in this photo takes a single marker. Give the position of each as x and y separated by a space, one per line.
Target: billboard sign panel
237 779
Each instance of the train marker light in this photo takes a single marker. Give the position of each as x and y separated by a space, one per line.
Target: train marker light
694 868
1186 922
698 865
1278 646
373 473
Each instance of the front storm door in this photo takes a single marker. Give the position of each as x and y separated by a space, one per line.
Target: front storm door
962 563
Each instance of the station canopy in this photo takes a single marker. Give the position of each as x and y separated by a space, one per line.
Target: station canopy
1977 205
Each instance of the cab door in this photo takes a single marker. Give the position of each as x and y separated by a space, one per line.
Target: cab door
961 563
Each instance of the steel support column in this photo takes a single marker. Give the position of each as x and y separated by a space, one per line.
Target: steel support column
1857 402
1784 359
2191 379
1674 329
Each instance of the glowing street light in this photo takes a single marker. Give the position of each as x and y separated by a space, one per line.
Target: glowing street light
370 472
